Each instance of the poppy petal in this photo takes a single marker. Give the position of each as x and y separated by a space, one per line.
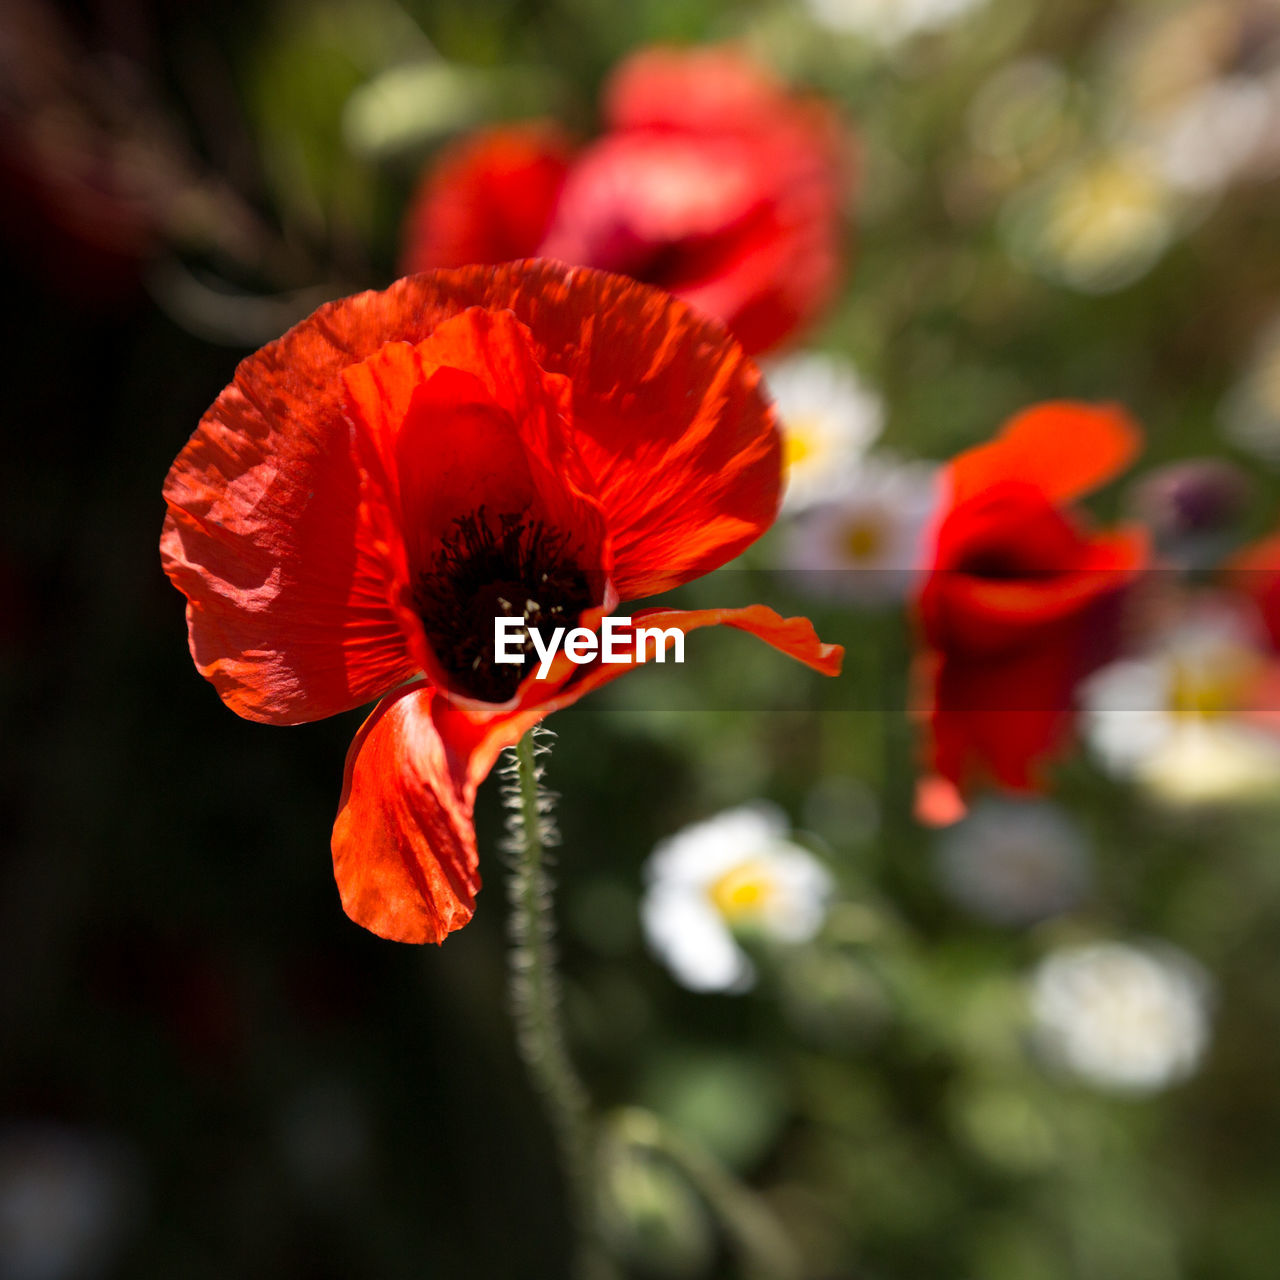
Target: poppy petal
938 802
488 198
715 88
1256 572
404 845
1001 720
287 612
287 585
743 229
1065 448
669 415
965 614
793 636
468 412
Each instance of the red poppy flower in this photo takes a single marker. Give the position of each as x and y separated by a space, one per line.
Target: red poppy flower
711 181
1012 613
489 198
399 469
1256 572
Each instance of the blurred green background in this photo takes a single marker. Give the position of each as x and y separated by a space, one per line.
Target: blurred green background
207 1071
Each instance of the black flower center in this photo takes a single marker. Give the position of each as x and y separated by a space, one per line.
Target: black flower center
511 567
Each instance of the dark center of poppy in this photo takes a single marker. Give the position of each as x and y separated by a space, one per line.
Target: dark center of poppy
1000 566
512 567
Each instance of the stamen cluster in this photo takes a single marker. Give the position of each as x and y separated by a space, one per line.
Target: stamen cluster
491 568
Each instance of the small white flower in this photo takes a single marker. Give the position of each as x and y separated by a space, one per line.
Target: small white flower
1212 136
1173 719
1127 1018
734 873
1198 85
1251 411
868 544
1014 862
1095 225
828 418
888 21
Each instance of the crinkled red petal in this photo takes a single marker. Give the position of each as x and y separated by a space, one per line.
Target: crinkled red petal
287 595
463 420
668 414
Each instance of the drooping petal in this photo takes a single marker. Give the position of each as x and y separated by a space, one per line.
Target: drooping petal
793 636
938 801
404 845
1065 448
488 198
404 849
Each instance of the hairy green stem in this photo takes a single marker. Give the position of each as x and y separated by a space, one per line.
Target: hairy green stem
535 997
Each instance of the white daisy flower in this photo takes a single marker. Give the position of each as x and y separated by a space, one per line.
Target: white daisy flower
1198 85
888 22
828 418
1014 862
1251 411
736 873
869 543
1174 720
1095 225
1211 137
1119 1017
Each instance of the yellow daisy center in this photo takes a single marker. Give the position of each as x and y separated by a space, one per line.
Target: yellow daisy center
1211 690
800 441
1107 211
863 538
742 891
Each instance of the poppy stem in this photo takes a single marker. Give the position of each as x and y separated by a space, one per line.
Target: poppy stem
536 998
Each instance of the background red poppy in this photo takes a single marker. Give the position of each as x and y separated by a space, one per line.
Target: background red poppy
709 180
1014 612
